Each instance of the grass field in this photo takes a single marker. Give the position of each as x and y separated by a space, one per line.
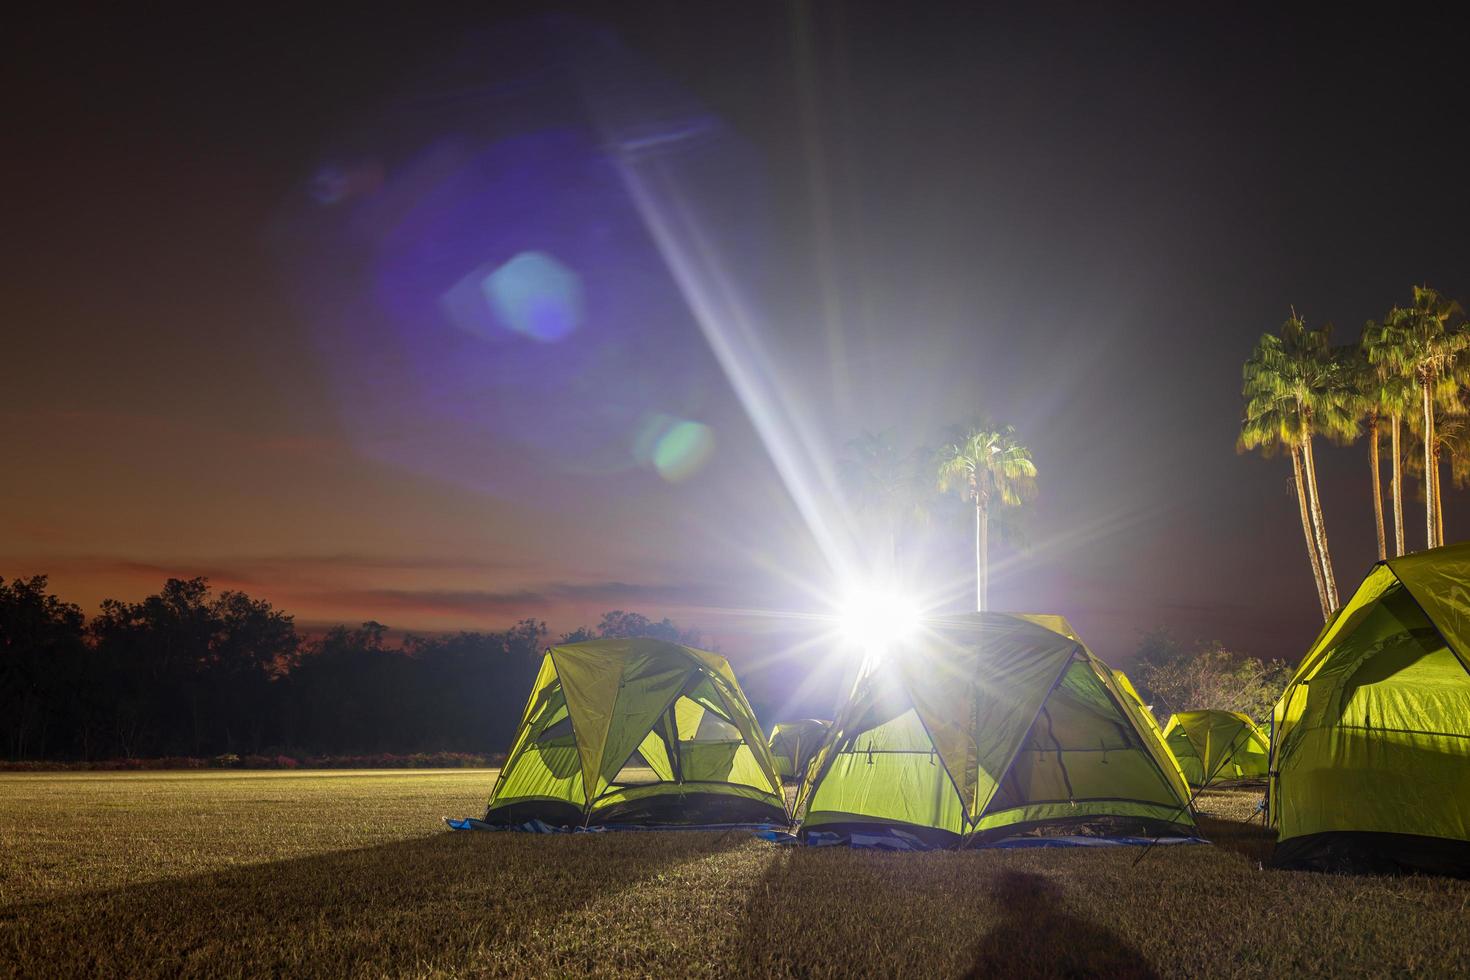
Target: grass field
351 873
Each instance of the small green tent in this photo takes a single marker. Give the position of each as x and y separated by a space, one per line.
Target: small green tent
989 726
1217 746
637 731
793 743
1370 753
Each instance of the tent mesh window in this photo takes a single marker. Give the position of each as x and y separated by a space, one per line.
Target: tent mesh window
713 728
636 772
557 746
1081 747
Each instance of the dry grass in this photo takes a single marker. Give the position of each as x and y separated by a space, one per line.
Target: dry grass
349 874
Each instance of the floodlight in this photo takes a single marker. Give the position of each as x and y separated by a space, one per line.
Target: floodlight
877 619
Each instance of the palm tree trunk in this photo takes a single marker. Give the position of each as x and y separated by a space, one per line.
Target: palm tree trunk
982 557
1301 499
1319 524
890 551
1377 484
1429 523
1398 486
1438 506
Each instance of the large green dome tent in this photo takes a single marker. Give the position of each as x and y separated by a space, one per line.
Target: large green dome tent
1370 753
636 731
1217 746
990 726
793 743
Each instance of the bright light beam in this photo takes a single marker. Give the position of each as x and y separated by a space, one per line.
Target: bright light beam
732 331
877 620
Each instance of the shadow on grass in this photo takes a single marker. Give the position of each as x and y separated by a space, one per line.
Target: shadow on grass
1035 938
448 902
1252 840
842 912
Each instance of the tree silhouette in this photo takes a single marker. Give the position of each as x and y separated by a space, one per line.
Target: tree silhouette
188 672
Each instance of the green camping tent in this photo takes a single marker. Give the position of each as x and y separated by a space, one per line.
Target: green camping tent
988 726
1146 715
793 743
1370 756
1217 746
637 732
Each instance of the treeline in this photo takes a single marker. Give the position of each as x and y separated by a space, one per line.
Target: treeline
190 672
1172 676
194 674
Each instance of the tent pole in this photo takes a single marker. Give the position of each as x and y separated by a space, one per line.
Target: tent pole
671 737
1188 804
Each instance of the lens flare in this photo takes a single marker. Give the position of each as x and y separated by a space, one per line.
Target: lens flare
683 450
674 448
877 620
536 296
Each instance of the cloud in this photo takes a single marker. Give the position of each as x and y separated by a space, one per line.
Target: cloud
264 569
531 600
417 592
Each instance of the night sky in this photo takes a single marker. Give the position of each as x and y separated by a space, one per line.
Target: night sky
226 234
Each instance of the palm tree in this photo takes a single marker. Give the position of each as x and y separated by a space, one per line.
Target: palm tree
1452 443
870 477
1423 343
987 465
1363 384
883 485
1295 389
1389 394
1271 431
1453 436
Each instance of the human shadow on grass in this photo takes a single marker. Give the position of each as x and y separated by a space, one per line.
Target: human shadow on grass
455 902
838 911
1036 938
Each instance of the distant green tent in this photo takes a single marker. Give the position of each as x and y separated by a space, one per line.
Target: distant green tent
793 743
1217 746
989 726
1370 757
637 731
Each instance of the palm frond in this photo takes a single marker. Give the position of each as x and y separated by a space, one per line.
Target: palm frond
985 460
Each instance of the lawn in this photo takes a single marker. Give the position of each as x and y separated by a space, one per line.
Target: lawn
351 873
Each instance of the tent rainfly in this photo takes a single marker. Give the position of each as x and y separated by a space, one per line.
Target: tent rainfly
991 726
1370 752
640 732
1144 713
1217 746
793 743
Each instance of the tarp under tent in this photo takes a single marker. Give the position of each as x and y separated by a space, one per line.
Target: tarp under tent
1217 746
793 743
641 732
1370 755
987 727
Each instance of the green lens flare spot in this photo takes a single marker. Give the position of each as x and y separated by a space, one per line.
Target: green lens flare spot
682 450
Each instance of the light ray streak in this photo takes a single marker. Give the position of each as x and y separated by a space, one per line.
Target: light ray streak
819 196
731 330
